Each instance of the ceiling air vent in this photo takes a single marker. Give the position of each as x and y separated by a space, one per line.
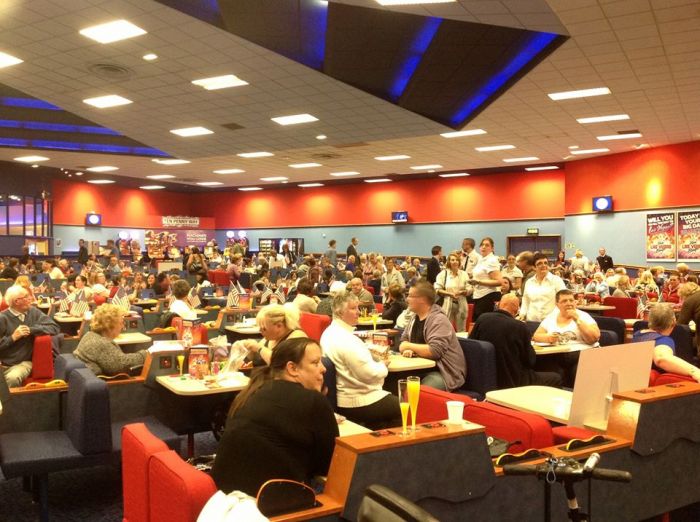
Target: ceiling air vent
233 126
110 71
326 155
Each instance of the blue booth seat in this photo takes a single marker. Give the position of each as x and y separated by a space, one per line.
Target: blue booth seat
482 374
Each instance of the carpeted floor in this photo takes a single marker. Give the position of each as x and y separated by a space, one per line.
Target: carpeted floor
92 494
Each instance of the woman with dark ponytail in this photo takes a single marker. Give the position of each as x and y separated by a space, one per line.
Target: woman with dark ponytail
280 426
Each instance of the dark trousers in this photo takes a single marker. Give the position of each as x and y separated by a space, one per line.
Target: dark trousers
485 304
384 413
564 364
547 379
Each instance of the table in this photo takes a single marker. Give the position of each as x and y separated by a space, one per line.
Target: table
365 325
132 338
399 363
548 349
551 403
68 323
188 386
146 303
347 428
243 329
595 309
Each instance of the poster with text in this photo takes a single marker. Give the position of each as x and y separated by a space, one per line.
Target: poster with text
661 236
689 236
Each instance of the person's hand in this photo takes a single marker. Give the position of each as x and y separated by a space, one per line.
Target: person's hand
407 353
249 344
21 331
553 338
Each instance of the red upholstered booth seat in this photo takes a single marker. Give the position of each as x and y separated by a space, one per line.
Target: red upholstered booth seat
314 324
670 378
42 360
3 305
625 307
220 278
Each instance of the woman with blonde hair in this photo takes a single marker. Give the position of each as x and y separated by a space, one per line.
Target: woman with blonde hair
25 283
624 288
646 284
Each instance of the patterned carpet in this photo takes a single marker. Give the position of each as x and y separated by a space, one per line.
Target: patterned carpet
92 494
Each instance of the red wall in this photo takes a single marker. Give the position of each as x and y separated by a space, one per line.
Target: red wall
645 179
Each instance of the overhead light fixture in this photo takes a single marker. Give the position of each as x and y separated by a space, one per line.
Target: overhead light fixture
622 136
150 57
455 175
426 167
102 168
321 137
392 158
35 166
602 119
583 93
304 165
520 160
294 119
255 154
220 82
275 178
228 171
546 167
31 159
209 183
170 161
492 148
413 2
574 147
589 151
110 100
161 176
188 132
112 31
6 60
310 185
344 174
151 187
101 181
249 189
460 134
377 180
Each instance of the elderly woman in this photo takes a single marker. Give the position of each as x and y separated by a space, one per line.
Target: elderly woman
453 285
97 348
395 304
305 300
486 279
539 293
180 306
662 321
392 276
277 323
598 286
512 273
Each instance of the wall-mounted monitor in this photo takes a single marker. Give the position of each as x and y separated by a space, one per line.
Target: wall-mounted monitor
399 216
603 204
93 220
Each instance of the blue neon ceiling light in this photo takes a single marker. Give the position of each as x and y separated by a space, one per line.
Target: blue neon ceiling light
314 20
419 45
27 103
85 147
57 127
536 44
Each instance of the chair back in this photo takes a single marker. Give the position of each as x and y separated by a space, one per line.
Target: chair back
64 364
138 444
42 360
614 324
670 378
314 324
329 381
482 375
87 419
682 338
608 338
177 491
625 307
380 504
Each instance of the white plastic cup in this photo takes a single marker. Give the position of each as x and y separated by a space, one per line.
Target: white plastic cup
455 411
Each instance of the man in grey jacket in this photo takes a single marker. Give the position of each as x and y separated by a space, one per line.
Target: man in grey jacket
430 334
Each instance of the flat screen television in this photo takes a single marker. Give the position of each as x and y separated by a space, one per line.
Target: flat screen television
399 216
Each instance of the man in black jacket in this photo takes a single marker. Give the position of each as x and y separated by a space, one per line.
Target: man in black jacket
352 249
434 264
515 357
605 262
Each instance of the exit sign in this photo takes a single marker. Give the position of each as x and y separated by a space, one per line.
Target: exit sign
533 231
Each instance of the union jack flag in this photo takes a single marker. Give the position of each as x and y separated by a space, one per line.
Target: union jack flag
233 299
80 305
193 298
121 300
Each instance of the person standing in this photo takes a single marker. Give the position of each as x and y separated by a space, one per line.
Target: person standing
453 285
469 256
434 264
352 248
604 261
332 254
82 252
486 279
540 291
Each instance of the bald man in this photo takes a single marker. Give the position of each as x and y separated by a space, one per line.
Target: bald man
366 300
515 357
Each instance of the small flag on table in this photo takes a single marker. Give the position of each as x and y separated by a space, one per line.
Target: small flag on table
121 300
279 295
265 295
64 305
193 298
80 305
233 299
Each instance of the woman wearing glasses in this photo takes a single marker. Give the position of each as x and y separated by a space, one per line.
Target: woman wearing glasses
540 291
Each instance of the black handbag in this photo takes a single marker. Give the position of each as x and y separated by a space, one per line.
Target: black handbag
279 496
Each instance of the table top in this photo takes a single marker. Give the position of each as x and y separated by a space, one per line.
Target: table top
595 307
140 302
548 349
551 403
132 338
399 363
187 386
365 322
67 319
350 428
243 329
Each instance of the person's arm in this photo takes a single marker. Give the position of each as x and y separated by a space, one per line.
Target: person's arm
517 282
360 363
112 360
525 304
686 313
438 337
664 359
324 432
590 333
43 324
542 336
494 279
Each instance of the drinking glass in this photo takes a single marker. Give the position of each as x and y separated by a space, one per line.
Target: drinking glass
413 385
404 405
181 363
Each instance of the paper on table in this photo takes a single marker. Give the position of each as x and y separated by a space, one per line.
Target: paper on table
165 346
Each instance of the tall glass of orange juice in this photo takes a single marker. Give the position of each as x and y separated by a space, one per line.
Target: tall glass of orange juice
413 385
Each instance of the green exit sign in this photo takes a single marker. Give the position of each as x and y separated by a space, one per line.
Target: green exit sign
533 231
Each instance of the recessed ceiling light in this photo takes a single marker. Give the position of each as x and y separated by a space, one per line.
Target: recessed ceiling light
392 158
150 57
35 166
413 2
426 167
152 187
255 154
228 171
101 181
104 102
102 168
310 185
304 165
275 178
188 132
170 161
377 180
623 136
112 31
344 174
573 147
454 175
460 134
294 119
519 160
601 119
583 93
589 151
78 173
492 148
546 167
31 159
161 176
209 183
220 82
321 137
249 189
7 59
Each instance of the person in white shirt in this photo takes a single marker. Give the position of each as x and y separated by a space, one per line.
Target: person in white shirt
180 306
391 277
453 285
469 256
359 377
50 268
512 272
540 291
598 286
486 279
580 262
